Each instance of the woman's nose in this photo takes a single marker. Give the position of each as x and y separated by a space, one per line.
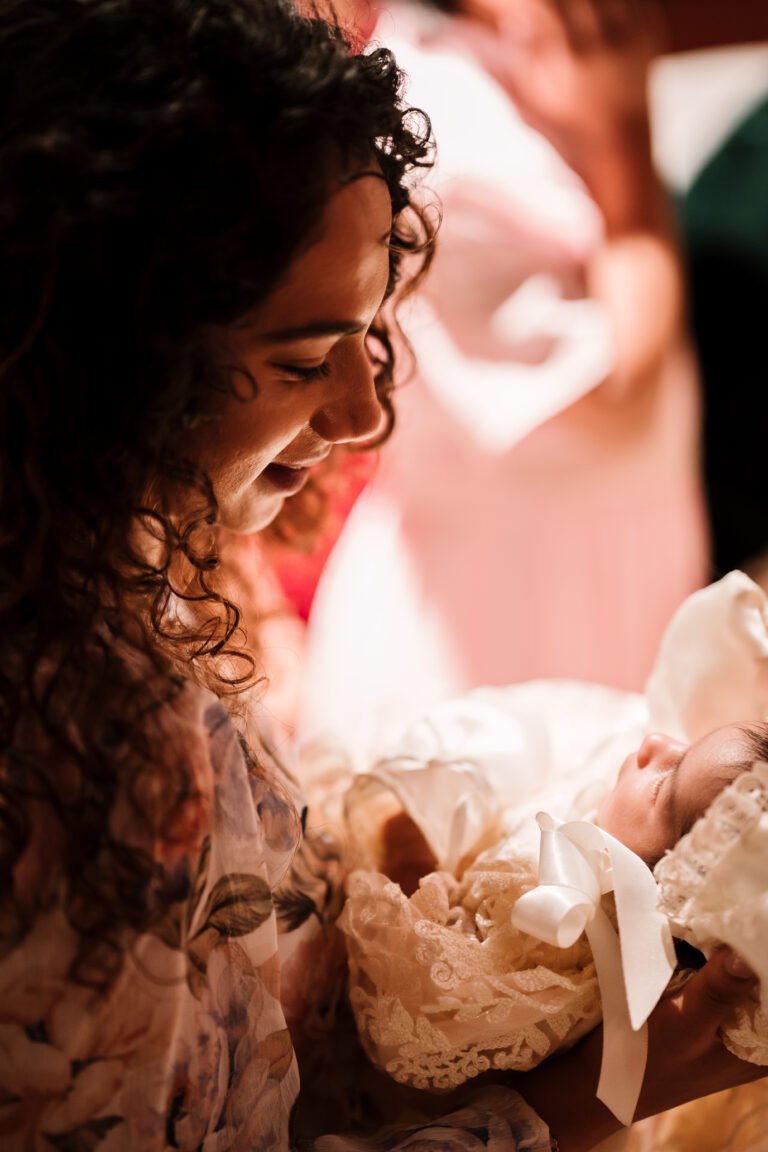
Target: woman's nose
354 412
660 751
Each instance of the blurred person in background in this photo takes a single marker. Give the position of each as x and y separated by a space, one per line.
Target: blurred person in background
540 513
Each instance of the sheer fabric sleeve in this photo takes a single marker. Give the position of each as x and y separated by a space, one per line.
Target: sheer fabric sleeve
187 1046
496 1120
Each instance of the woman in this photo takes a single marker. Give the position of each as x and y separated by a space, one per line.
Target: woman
204 204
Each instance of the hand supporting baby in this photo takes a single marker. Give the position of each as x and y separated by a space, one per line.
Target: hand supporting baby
686 1059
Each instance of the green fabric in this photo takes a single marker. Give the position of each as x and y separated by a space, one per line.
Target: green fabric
728 201
725 229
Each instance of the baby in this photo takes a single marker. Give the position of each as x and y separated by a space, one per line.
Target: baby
444 986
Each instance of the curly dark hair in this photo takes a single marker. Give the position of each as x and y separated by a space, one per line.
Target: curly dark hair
161 163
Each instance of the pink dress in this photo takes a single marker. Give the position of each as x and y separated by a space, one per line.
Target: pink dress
520 525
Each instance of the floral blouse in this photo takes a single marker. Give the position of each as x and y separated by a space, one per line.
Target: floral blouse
197 1044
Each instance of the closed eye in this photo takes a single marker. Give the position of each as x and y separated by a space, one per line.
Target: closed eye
662 779
657 787
303 372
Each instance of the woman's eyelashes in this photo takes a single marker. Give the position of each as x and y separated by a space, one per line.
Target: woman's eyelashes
303 373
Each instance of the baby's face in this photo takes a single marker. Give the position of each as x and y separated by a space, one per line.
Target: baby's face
665 786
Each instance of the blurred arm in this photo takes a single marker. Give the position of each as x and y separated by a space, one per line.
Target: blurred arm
583 84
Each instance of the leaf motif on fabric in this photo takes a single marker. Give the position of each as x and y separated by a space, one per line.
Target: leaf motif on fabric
238 904
201 878
197 963
278 1050
314 885
86 1138
293 908
169 931
269 974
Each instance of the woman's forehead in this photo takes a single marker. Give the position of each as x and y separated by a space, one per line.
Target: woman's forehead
360 202
336 274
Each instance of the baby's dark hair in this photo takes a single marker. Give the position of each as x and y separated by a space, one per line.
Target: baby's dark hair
757 743
757 734
161 163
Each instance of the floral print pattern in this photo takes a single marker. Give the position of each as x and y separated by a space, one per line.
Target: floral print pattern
189 1049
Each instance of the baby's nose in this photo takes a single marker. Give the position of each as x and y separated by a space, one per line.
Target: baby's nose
660 751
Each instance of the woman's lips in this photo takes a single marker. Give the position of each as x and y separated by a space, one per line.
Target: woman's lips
286 480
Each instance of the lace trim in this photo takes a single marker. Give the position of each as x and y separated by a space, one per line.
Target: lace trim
444 988
683 874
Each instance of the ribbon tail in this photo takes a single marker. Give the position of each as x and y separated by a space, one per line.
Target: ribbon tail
624 1049
648 954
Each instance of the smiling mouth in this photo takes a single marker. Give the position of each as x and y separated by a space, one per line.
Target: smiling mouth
287 478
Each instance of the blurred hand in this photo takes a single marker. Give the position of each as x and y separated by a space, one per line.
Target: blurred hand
577 69
591 23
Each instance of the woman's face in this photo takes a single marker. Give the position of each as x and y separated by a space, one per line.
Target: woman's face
301 377
665 786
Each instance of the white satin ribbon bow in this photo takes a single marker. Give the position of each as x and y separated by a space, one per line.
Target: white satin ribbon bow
578 862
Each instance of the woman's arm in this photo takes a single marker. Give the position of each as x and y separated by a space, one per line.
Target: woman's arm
581 80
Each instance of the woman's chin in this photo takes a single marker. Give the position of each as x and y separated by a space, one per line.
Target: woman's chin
255 518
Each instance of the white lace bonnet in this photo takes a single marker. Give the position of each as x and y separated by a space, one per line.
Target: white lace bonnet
713 885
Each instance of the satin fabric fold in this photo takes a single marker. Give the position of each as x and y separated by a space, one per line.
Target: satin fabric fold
578 863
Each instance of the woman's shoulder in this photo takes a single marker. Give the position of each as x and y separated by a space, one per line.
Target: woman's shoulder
143 1048
248 803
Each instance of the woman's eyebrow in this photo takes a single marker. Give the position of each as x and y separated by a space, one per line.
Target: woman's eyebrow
312 331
